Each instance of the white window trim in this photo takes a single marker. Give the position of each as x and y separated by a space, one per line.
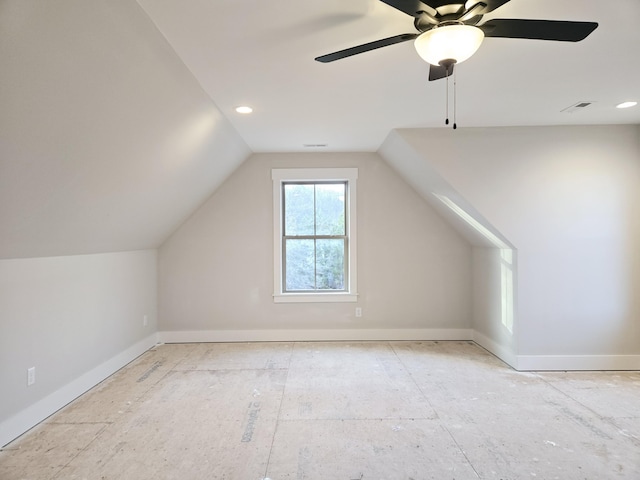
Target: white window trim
281 175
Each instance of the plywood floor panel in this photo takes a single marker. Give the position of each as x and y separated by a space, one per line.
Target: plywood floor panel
337 410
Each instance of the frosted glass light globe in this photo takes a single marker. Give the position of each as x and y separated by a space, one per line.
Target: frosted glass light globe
449 42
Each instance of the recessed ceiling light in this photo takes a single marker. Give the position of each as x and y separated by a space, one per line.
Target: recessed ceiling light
627 104
244 109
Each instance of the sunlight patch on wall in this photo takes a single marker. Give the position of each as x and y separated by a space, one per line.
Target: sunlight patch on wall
506 284
506 260
472 222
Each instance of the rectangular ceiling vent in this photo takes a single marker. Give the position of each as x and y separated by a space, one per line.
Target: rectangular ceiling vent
576 107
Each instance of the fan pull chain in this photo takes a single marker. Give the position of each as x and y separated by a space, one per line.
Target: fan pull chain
449 73
455 76
446 122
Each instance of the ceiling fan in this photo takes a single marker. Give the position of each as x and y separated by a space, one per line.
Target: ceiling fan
449 31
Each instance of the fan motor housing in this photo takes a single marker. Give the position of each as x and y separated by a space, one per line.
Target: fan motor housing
424 21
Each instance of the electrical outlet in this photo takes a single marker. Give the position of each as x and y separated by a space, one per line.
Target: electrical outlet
31 376
145 321
358 312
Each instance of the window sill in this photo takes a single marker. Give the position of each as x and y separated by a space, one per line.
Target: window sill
315 297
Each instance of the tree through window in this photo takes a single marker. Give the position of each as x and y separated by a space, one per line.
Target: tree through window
314 234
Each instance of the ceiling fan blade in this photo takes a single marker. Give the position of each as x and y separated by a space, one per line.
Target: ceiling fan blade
385 42
558 30
411 7
436 72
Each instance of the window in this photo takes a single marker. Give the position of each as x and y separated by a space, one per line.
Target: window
314 235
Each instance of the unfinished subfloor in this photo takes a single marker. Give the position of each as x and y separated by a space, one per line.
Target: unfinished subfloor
337 411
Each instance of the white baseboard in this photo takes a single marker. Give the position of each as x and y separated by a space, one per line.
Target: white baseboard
28 418
577 362
314 335
503 352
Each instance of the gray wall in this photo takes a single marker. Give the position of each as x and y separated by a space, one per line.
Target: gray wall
568 199
216 271
67 317
494 302
107 144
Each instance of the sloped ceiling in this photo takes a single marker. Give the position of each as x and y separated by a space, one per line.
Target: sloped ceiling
117 121
107 142
416 168
262 53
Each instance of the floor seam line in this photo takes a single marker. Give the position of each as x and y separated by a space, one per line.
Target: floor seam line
461 450
275 430
82 450
608 420
406 369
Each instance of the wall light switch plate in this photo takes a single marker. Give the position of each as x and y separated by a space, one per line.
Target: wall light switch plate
31 376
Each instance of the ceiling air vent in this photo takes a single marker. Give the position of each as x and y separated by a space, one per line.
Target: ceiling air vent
576 107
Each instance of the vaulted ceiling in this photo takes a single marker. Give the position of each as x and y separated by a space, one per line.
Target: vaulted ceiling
117 116
262 54
107 142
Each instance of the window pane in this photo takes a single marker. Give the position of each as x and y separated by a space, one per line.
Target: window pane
330 264
298 209
300 268
330 209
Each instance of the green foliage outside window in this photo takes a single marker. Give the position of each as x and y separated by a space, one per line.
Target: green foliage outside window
314 236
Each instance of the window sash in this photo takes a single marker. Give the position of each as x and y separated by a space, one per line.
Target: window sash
345 264
315 237
316 176
345 212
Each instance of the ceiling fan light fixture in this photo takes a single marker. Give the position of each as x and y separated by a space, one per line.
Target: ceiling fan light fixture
449 42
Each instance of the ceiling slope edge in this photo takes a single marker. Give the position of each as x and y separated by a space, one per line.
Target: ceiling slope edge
415 168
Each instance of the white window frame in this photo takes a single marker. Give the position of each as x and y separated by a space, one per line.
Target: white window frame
282 175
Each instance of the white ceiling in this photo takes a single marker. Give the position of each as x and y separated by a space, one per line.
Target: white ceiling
262 54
